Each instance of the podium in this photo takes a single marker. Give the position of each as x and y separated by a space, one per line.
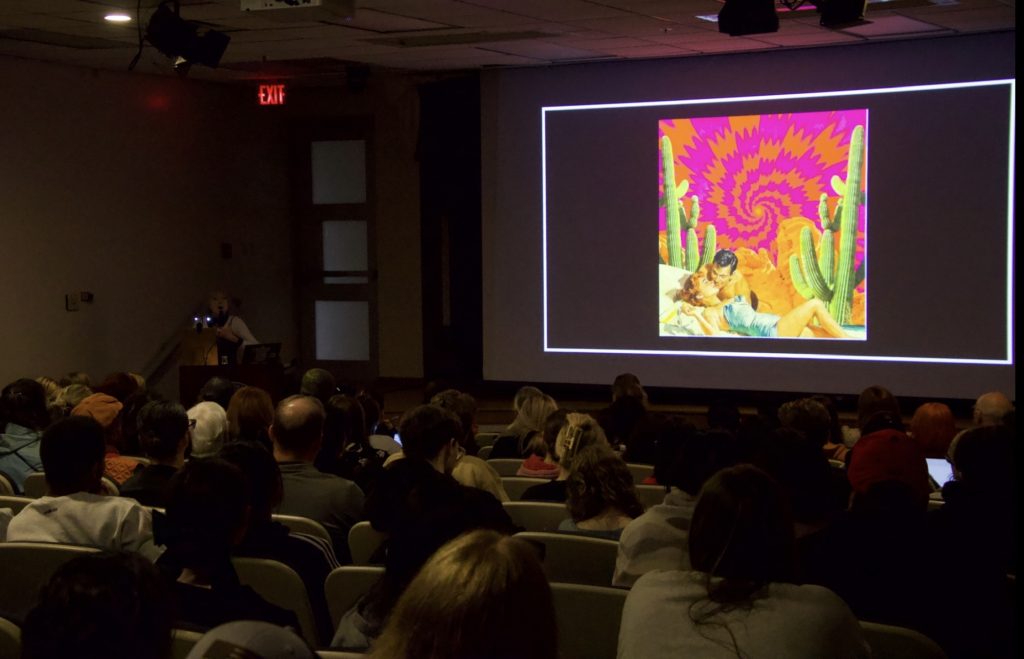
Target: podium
199 347
269 377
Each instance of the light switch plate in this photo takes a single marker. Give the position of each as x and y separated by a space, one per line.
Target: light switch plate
71 301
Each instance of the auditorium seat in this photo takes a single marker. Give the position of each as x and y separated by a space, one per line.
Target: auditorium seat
536 515
345 585
6 486
570 558
640 472
516 485
363 542
182 641
650 495
27 566
305 525
890 642
484 452
15 503
35 486
280 585
588 620
506 466
486 438
10 639
339 654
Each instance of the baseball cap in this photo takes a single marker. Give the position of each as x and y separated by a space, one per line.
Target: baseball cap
210 430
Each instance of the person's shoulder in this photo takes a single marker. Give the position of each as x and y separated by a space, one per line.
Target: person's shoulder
812 593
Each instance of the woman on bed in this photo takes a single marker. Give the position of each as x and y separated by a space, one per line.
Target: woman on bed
699 297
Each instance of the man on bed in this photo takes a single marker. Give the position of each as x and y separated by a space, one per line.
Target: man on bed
722 273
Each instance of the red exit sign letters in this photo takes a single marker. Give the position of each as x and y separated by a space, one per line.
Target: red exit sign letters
271 94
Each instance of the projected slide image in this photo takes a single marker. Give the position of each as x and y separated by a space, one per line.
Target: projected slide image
762 225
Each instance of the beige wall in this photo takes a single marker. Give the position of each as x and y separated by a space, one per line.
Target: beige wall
125 185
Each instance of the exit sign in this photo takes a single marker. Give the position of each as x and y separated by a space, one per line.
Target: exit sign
271 94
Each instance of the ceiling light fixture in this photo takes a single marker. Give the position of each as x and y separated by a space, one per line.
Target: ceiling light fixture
117 18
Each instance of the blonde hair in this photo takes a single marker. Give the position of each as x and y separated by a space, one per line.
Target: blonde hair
579 432
50 387
478 596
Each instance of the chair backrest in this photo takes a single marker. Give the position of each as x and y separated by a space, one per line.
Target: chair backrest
10 639
486 439
303 525
6 485
35 485
110 488
571 558
516 485
536 515
890 642
280 585
27 566
640 472
345 585
935 504
506 466
182 641
139 458
484 452
838 464
364 541
650 495
339 654
588 620
15 503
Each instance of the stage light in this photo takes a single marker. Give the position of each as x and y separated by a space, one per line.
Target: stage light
186 42
740 17
841 13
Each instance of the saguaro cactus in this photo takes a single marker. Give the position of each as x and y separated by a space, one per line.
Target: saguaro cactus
677 217
816 276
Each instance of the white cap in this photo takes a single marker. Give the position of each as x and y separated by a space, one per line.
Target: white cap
211 429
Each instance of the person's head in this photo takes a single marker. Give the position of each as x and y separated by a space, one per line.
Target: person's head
50 387
76 377
874 403
463 406
318 383
552 426
101 606
627 385
990 408
251 639
742 531
218 303
723 265
801 469
835 428
724 414
207 510
250 413
698 289
217 390
298 428
72 452
431 433
933 428
70 396
120 385
983 458
23 402
210 429
808 417
107 411
535 411
481 595
262 474
598 481
888 455
344 425
579 432
163 430
372 410
695 458
522 394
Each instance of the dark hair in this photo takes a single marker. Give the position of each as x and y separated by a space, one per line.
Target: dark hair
698 457
24 402
262 473
372 411
120 385
552 425
101 606
72 452
835 428
318 383
250 413
218 390
874 400
723 414
600 480
726 258
463 406
426 429
298 430
809 417
801 469
627 384
161 424
984 457
344 425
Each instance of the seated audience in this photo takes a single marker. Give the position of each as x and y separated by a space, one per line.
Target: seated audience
310 556
990 409
106 410
119 385
542 463
933 428
217 390
206 519
579 432
518 425
875 405
51 389
209 424
74 511
380 429
601 497
469 469
70 396
481 595
165 438
250 413
740 600
335 502
251 639
533 411
24 415
318 383
421 507
626 411
833 447
346 449
658 539
100 606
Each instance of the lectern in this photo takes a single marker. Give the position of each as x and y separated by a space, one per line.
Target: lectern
198 363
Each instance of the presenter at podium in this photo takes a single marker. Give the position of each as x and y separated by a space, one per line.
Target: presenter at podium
232 332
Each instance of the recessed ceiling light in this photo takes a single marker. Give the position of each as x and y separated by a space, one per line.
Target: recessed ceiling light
117 18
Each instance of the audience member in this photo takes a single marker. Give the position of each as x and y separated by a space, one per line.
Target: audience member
106 410
318 383
533 412
70 396
421 507
335 502
740 600
833 447
990 409
811 417
24 415
218 390
481 595
724 415
310 556
164 437
518 425
250 413
130 444
469 469
100 606
76 378
52 389
380 429
626 411
251 639
877 407
209 424
120 385
541 462
346 449
579 432
207 506
600 494
74 512
933 428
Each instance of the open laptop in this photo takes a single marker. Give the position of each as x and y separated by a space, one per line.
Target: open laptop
940 472
261 353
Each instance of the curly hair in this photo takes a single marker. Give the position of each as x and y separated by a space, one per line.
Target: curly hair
578 432
600 480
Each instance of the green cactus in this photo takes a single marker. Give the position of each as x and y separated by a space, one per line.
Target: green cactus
818 276
677 217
